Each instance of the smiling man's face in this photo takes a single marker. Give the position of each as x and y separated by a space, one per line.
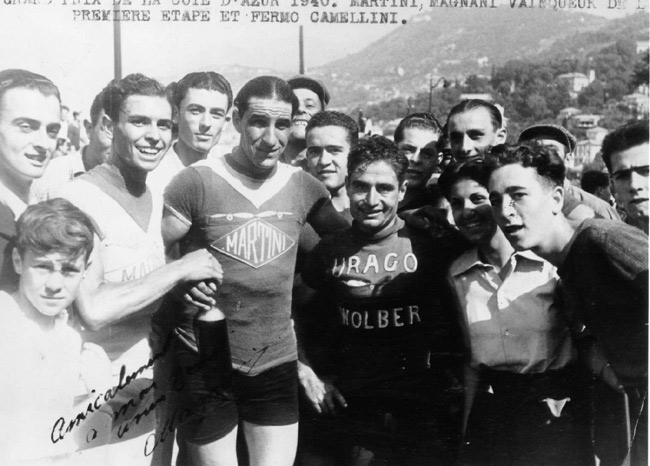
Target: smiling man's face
143 132
29 125
327 155
309 104
202 115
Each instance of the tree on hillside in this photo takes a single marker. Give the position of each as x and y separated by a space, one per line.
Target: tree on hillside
614 66
641 70
593 97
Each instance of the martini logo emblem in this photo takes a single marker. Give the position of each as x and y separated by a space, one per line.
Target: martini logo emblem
255 243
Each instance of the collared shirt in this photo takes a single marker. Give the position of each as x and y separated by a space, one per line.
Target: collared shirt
510 319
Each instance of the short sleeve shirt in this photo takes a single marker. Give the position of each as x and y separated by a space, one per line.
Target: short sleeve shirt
252 227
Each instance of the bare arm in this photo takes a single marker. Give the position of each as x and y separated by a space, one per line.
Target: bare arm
173 229
101 303
323 396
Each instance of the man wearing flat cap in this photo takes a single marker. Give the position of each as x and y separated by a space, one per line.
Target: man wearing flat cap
578 204
313 97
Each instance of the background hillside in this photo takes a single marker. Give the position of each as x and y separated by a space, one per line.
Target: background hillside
455 43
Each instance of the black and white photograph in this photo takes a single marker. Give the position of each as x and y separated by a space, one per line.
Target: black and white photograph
324 232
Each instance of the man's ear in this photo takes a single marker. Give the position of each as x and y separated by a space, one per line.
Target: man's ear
107 125
558 199
236 119
17 261
402 190
502 135
175 114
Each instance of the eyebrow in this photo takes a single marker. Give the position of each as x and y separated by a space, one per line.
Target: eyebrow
512 189
31 121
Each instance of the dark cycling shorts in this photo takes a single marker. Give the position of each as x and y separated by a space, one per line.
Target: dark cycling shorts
268 399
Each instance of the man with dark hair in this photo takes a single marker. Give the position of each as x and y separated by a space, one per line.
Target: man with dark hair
578 204
597 183
330 136
473 127
30 120
603 266
625 153
201 102
417 136
392 302
312 97
522 394
127 274
62 170
249 209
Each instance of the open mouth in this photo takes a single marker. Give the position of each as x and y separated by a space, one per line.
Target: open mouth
150 151
38 157
512 229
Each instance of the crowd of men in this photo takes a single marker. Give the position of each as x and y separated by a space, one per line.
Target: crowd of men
315 296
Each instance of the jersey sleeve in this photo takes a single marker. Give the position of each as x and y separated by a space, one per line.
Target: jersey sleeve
184 194
321 214
627 251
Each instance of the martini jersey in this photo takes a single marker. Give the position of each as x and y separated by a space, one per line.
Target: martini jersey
252 227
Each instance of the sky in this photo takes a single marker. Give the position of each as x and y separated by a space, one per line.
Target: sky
78 55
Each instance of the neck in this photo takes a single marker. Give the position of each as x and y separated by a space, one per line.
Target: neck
559 237
28 309
497 251
93 155
340 199
129 178
240 162
187 155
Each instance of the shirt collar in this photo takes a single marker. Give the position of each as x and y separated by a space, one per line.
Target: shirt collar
471 259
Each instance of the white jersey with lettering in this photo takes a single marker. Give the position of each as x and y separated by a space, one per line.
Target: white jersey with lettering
128 253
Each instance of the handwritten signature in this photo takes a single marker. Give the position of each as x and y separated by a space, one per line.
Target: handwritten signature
62 427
